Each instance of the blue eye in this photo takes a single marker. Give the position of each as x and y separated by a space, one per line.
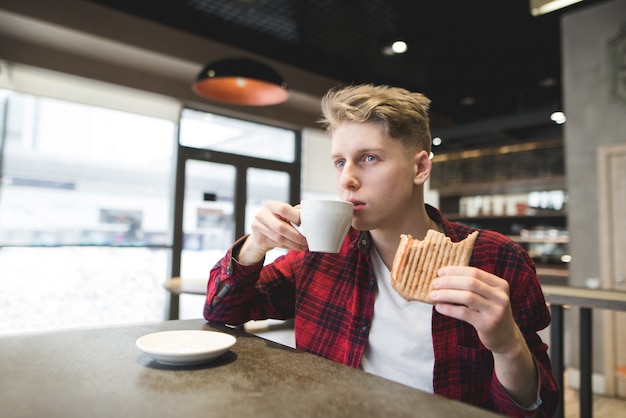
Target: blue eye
370 158
339 164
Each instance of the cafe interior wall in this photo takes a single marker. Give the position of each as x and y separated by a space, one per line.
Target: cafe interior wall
87 40
595 117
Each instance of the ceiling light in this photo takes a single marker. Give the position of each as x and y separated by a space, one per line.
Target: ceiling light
241 81
399 47
540 7
558 117
436 141
396 48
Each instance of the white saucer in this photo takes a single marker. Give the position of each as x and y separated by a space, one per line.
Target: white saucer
185 347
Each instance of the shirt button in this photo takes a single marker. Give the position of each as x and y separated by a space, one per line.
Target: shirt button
365 329
372 284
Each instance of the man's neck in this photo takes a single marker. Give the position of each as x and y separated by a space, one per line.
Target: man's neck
386 240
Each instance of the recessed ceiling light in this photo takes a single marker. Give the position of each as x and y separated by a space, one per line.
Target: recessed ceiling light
399 47
468 101
558 117
396 48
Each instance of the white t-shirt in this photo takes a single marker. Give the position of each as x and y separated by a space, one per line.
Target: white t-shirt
400 344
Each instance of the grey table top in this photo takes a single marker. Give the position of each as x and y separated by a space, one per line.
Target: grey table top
586 298
100 373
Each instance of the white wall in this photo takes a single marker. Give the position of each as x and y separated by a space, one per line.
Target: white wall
317 168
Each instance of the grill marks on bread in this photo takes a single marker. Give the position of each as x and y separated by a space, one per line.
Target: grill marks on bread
416 262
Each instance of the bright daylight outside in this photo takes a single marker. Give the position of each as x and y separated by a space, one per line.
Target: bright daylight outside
84 215
86 210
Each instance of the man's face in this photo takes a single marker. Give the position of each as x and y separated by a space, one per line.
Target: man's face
375 173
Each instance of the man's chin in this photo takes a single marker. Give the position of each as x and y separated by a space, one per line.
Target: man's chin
359 226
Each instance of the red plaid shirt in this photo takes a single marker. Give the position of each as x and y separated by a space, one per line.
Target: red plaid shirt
331 297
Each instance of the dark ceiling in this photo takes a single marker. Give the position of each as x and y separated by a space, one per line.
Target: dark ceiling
478 61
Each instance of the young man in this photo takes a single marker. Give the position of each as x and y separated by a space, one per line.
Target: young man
479 341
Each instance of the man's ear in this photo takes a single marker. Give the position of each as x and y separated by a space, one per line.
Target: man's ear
423 165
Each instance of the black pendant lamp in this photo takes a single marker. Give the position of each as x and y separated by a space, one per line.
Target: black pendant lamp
241 81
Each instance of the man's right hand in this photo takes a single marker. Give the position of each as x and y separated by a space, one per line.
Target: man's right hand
272 228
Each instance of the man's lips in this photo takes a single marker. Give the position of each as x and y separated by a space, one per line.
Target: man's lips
358 206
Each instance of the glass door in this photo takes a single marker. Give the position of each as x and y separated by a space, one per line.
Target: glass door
208 226
208 216
227 169
264 185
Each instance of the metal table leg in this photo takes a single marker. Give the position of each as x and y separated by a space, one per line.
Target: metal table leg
586 363
556 352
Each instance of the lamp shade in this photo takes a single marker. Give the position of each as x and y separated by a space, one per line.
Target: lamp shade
241 81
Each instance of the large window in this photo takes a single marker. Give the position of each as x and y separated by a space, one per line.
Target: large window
87 202
82 175
229 168
84 214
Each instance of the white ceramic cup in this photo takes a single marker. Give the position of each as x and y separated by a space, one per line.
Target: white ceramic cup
325 223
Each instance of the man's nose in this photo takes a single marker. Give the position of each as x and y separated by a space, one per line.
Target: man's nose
348 178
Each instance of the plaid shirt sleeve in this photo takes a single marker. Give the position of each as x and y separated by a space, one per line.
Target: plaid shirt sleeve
332 303
532 315
467 371
238 293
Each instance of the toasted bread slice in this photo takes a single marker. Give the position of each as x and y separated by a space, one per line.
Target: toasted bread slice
416 262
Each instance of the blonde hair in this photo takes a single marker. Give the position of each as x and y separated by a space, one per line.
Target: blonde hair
403 114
